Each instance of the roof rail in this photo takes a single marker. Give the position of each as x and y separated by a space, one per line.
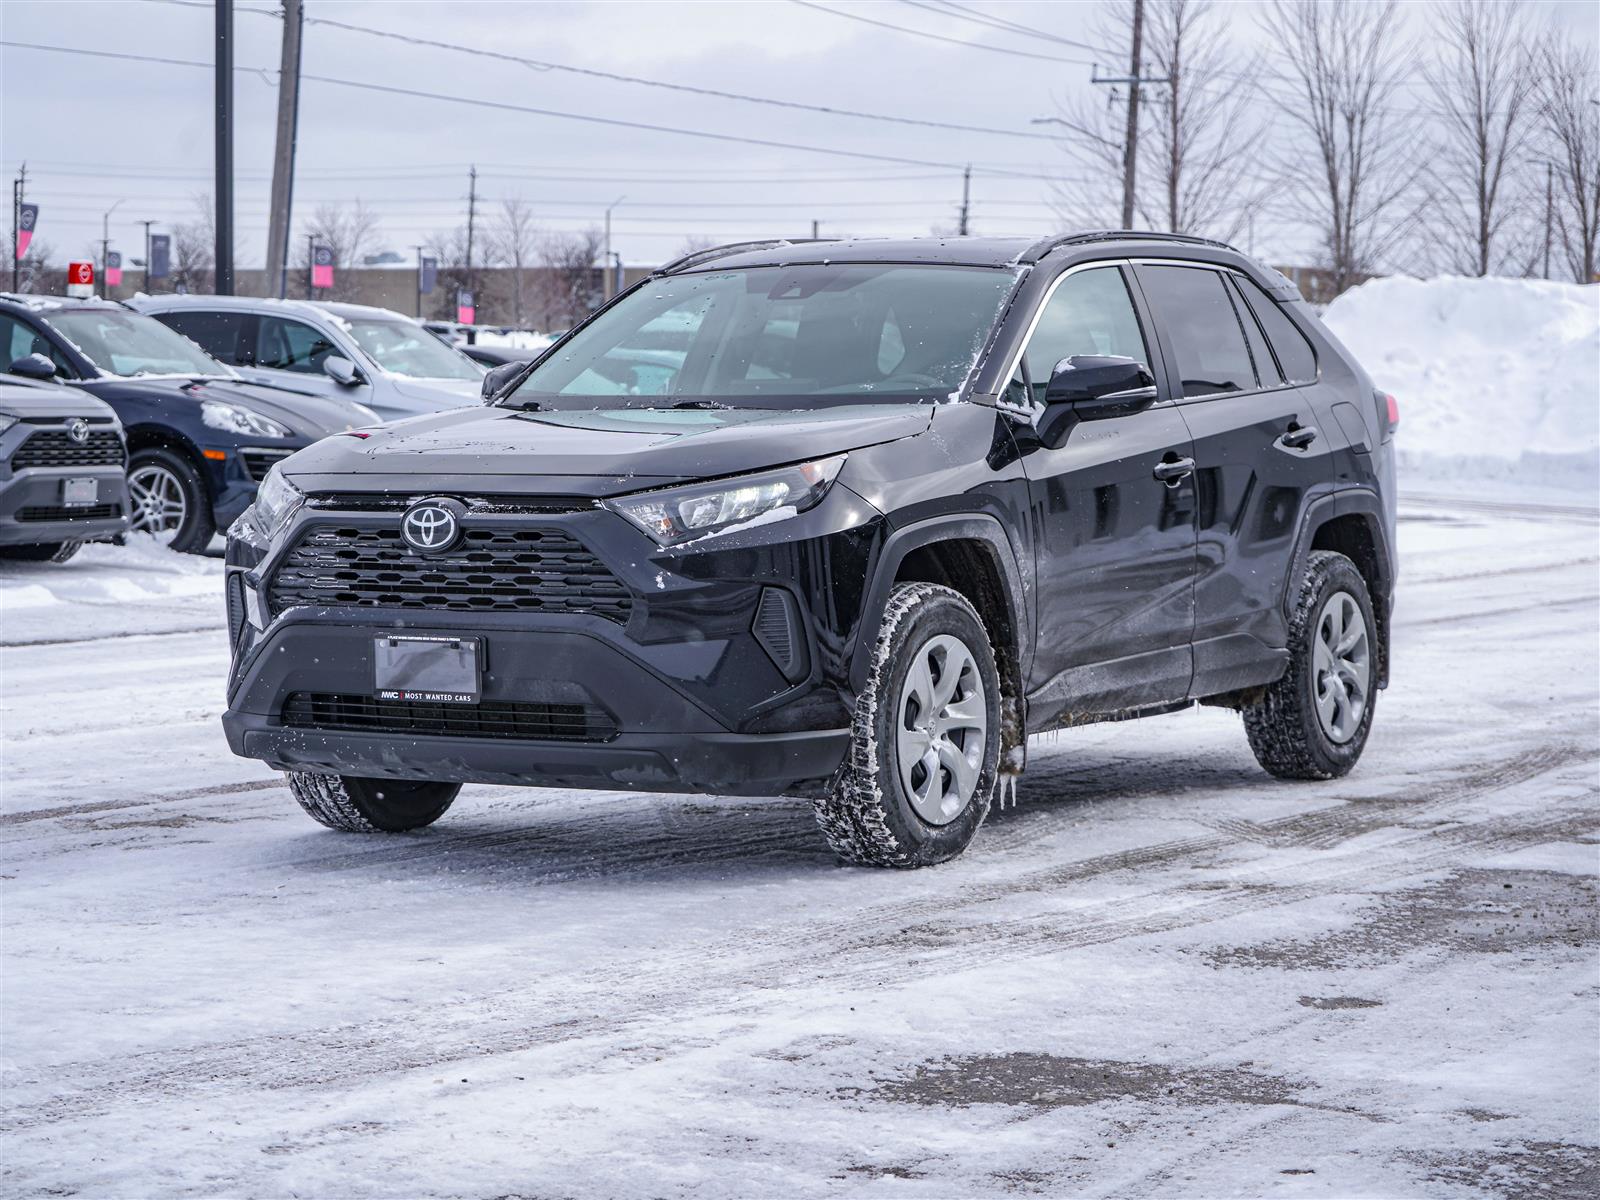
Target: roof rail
1045 245
710 254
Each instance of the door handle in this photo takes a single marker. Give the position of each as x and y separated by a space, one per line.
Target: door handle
1298 437
1171 470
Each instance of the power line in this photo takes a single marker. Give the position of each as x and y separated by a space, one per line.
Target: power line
937 37
962 13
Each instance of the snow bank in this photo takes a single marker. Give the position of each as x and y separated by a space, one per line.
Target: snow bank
516 339
1496 378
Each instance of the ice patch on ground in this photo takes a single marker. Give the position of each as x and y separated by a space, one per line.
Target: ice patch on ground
1496 378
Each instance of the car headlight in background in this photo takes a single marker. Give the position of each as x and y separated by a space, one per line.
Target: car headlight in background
231 419
674 516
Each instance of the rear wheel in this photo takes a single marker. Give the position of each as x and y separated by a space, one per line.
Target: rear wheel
41 552
925 745
169 500
1313 722
356 805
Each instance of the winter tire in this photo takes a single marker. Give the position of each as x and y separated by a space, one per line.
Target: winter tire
1313 722
355 805
169 500
41 552
925 742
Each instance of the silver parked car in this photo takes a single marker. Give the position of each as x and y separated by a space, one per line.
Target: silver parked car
373 357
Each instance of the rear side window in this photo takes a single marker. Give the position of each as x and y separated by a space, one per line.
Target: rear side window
1193 308
1266 365
1295 355
219 334
291 346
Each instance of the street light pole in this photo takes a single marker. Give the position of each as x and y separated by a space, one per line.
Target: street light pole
146 225
222 276
105 249
605 286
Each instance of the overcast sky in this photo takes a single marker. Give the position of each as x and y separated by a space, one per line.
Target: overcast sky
99 131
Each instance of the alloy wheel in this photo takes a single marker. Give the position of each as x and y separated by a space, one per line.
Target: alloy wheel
159 503
941 725
1341 659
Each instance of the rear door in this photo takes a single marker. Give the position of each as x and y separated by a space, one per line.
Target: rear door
1114 545
1262 453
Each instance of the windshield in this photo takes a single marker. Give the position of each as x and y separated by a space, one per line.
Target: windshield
126 343
779 337
407 349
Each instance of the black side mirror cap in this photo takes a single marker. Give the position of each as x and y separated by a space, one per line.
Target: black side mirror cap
342 371
499 377
1101 385
33 366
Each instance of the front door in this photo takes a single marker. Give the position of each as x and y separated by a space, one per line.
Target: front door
1114 544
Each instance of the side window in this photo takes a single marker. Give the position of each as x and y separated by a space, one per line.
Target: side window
18 340
219 334
1266 368
1194 310
1295 355
285 345
1090 313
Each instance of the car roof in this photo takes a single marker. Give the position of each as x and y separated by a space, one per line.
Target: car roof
175 303
44 304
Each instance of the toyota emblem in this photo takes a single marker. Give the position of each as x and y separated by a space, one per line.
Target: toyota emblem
78 431
431 525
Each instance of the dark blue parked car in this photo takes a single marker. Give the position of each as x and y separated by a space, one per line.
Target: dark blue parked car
200 439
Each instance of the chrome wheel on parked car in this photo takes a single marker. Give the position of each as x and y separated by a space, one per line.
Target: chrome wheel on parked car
942 724
1341 657
159 505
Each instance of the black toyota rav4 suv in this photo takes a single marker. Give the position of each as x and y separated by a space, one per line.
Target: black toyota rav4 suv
847 520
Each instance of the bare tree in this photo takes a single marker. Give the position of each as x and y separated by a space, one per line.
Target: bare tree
1484 85
1570 122
193 248
694 243
513 240
570 284
1196 131
1354 171
37 267
347 232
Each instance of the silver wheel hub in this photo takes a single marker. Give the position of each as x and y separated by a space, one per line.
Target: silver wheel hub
159 504
941 723
1341 667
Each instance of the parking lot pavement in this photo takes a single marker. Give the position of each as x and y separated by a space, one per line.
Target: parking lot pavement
1160 974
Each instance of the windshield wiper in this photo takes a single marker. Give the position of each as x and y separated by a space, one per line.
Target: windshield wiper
701 404
527 406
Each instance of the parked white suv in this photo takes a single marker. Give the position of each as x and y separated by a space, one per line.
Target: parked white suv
380 359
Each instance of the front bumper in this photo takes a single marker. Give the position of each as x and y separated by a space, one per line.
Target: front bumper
32 512
685 691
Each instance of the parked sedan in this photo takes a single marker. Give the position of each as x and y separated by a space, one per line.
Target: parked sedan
347 353
61 462
200 439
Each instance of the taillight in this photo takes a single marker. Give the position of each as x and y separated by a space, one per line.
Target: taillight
1388 413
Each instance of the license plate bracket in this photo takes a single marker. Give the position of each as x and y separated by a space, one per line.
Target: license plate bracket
428 668
80 493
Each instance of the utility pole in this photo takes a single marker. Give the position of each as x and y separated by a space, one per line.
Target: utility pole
18 189
966 197
105 249
283 156
419 283
146 225
311 261
222 282
816 226
1549 214
1130 141
605 282
472 221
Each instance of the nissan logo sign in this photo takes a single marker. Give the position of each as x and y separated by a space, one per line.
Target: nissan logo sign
431 526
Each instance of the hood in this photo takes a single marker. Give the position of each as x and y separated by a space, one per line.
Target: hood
594 452
307 416
23 401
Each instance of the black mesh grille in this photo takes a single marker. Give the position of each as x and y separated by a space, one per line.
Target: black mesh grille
258 462
77 512
490 570
490 719
54 448
235 594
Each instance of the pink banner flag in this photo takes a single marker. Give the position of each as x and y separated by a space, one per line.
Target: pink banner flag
322 266
28 218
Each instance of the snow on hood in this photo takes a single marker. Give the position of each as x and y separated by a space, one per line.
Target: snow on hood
630 447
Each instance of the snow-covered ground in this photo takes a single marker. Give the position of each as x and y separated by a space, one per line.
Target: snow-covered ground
1161 974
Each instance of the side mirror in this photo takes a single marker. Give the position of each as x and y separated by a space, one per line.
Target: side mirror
498 377
1101 385
33 366
342 371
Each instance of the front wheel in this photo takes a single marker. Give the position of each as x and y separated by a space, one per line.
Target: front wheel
925 743
169 501
356 805
1313 722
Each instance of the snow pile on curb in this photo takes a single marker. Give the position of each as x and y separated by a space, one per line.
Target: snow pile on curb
1496 378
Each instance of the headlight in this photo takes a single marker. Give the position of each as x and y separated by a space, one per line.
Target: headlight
276 501
674 516
231 419
6 422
